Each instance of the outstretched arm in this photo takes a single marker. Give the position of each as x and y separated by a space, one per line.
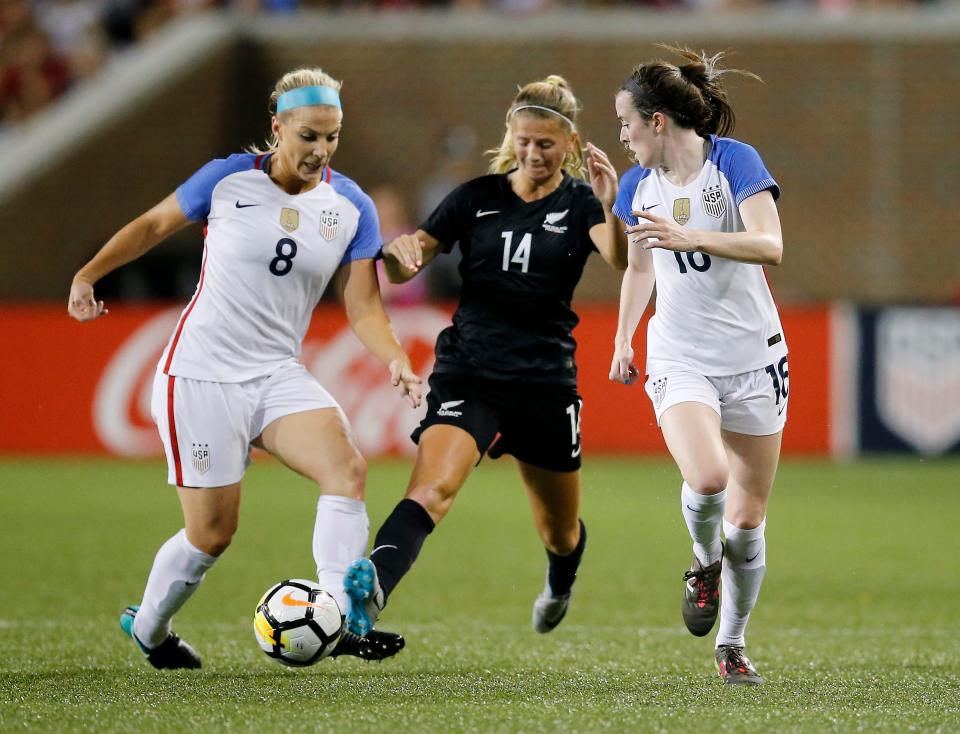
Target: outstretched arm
138 237
638 281
357 281
408 254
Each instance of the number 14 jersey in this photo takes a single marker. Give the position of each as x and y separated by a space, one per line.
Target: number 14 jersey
268 256
714 315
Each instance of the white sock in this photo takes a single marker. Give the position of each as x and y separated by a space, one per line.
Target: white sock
177 571
703 514
339 538
743 567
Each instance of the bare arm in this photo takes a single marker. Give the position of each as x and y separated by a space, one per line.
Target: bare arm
136 238
760 243
635 291
609 238
408 254
357 282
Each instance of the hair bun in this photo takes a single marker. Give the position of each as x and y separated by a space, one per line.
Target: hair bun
557 81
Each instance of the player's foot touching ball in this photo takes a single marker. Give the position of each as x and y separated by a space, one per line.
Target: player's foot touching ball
365 596
171 654
376 645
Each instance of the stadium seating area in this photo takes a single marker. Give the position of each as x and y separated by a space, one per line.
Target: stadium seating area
48 46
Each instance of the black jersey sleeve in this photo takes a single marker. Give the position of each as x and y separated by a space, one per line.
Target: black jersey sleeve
447 222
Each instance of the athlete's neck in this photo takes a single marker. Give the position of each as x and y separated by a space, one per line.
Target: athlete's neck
534 190
683 157
289 182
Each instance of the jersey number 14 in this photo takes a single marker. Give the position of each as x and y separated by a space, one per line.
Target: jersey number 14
520 256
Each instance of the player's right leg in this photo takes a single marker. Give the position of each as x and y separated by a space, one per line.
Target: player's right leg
445 458
203 428
688 412
210 516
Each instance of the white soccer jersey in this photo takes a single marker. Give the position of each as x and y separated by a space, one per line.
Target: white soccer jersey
268 256
714 315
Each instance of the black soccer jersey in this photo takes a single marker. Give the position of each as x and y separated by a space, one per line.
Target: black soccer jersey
521 263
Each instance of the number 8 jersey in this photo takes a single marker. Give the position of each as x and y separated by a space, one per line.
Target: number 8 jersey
268 256
714 315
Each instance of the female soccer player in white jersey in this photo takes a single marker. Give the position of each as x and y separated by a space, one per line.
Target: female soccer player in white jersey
702 222
505 379
280 225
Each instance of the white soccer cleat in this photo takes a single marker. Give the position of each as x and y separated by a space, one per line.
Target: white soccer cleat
549 610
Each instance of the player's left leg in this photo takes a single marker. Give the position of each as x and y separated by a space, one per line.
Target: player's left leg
319 445
555 502
753 466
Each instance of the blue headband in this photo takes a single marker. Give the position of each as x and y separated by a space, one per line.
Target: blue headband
303 96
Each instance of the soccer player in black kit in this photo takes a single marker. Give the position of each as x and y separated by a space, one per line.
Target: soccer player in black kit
505 380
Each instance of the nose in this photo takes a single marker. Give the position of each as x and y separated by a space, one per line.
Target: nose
623 135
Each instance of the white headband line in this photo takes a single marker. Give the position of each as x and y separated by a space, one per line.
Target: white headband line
515 110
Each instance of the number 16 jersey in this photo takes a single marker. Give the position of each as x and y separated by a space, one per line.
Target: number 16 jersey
713 314
268 256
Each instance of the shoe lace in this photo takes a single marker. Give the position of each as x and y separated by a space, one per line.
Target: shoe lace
737 660
704 583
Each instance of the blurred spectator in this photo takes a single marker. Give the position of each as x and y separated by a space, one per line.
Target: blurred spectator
31 72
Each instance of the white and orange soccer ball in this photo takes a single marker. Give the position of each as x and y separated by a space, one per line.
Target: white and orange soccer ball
297 623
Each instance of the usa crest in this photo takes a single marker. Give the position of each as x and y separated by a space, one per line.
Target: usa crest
289 219
681 210
713 202
329 224
918 367
201 457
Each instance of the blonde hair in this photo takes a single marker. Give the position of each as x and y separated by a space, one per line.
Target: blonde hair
542 99
293 80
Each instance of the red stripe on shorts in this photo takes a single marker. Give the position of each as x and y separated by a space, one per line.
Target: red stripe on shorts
172 428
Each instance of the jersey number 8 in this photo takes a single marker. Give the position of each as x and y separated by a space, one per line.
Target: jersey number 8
283 262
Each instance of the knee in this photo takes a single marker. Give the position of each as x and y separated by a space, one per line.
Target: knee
436 496
708 479
561 541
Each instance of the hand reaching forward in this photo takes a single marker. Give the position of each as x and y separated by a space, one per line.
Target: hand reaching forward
406 381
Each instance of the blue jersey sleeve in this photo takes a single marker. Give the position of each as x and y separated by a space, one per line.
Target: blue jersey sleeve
195 194
623 206
744 169
366 241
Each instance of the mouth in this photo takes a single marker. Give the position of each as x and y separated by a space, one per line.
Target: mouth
312 167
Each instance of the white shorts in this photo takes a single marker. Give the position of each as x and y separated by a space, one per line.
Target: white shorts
207 427
754 403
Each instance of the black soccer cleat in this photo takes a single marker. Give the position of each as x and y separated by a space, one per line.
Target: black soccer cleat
735 667
375 645
171 654
701 596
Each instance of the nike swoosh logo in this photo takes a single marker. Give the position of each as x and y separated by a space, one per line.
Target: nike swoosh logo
291 602
751 560
244 206
646 208
481 213
383 547
576 452
693 510
190 583
782 408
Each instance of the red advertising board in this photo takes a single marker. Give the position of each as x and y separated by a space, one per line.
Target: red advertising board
71 388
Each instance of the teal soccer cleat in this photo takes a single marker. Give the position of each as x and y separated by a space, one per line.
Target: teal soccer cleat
171 654
366 597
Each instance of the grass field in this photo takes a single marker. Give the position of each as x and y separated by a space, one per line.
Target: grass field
856 629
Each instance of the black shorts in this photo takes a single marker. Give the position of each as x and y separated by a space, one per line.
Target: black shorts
537 424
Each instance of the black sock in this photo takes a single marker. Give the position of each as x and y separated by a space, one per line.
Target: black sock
563 569
398 542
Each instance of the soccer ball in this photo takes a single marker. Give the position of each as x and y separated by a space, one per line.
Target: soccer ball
297 623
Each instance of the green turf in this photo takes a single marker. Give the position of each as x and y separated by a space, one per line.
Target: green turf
856 629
